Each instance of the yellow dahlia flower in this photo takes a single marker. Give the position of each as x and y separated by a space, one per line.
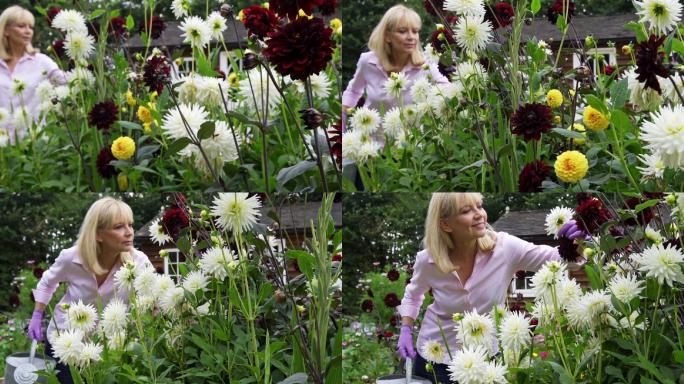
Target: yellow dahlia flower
571 166
145 115
122 181
554 98
130 99
336 25
594 119
123 148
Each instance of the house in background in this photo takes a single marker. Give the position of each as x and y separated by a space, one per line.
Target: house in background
295 222
171 43
530 226
605 29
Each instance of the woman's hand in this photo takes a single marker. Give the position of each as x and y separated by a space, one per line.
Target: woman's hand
405 346
572 231
35 328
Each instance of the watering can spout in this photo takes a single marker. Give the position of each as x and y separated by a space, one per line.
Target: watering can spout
34 344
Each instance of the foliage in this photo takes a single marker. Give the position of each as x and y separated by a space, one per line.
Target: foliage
358 346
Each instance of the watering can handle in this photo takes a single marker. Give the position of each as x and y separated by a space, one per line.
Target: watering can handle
34 344
409 370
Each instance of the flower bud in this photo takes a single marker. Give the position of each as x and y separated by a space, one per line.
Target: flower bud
428 367
589 42
122 181
249 61
226 10
671 199
163 253
204 214
457 317
300 308
312 118
588 253
627 49
280 296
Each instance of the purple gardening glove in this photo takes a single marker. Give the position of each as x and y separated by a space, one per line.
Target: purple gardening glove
405 346
35 328
572 231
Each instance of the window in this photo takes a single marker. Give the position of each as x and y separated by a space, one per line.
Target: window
173 262
597 59
225 59
522 286
183 69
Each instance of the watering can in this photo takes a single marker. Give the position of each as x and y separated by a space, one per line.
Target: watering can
408 378
20 368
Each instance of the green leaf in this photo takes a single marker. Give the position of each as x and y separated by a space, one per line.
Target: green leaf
638 30
678 46
146 151
536 6
243 119
297 378
305 261
129 125
96 13
289 173
206 130
593 277
570 134
130 23
561 23
619 94
178 145
644 205
621 121
506 150
678 356
615 372
562 375
203 65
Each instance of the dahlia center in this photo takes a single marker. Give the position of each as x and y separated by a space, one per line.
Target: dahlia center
674 129
658 9
568 165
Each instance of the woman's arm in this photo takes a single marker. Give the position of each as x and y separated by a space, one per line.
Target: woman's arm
356 85
48 284
414 293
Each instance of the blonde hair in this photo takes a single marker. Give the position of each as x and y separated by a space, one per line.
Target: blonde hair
11 15
394 18
437 241
101 215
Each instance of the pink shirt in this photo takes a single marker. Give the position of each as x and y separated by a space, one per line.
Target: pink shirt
68 267
486 287
32 70
370 77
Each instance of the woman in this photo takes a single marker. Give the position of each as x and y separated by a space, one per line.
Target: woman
468 266
394 47
22 68
104 243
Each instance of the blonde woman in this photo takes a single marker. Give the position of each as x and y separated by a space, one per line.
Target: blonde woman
394 47
468 266
104 243
22 68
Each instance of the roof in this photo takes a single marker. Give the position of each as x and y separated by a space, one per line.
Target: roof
293 217
601 27
523 224
171 36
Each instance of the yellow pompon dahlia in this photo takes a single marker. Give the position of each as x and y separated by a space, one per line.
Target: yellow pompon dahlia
554 98
147 127
578 128
123 148
571 166
122 181
130 99
594 119
336 25
145 115
233 80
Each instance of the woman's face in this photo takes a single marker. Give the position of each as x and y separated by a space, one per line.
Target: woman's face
19 33
468 223
117 238
403 39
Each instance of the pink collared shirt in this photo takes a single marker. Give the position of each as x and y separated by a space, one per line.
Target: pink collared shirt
486 287
370 77
31 70
68 267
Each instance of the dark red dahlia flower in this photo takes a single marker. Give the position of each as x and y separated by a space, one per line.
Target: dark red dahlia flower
500 15
441 38
567 249
335 140
155 27
591 214
531 120
328 7
649 62
38 272
54 11
391 300
103 115
156 73
290 8
300 48
337 257
532 176
393 275
58 47
14 301
259 21
446 70
394 320
173 221
608 70
117 27
520 274
557 9
367 305
434 7
103 159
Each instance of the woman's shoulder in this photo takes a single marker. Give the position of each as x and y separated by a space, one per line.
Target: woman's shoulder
368 57
68 254
44 59
423 257
139 256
